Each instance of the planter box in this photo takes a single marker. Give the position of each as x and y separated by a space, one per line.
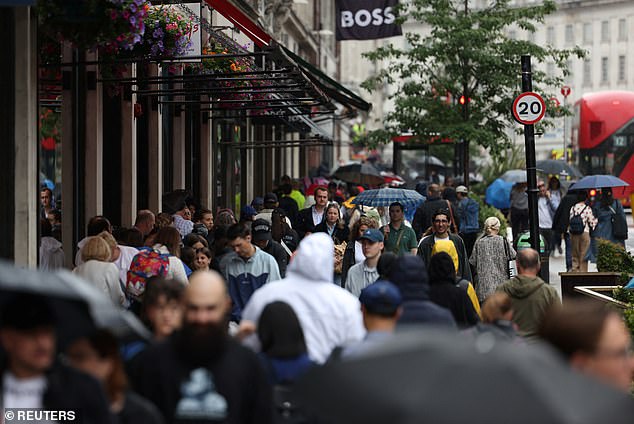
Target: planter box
570 280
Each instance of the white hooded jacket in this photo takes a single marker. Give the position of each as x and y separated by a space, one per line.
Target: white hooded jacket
329 315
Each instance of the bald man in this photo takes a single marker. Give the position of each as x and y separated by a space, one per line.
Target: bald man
530 295
200 373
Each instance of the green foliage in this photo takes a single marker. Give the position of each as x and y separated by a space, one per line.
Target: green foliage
465 52
511 158
612 257
627 296
487 211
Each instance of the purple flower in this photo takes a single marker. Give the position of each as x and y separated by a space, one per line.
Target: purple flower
132 20
133 8
158 33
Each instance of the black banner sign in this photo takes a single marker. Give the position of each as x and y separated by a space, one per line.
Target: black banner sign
366 19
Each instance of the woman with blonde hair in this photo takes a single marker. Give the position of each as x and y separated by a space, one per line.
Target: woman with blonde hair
99 271
490 257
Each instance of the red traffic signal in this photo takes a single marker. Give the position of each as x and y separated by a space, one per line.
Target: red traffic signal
593 193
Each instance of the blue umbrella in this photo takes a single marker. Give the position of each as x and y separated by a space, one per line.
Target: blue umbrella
514 175
386 196
598 181
498 194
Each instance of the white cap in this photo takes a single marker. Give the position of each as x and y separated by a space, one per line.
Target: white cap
462 189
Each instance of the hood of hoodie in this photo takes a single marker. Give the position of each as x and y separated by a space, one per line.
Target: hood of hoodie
522 286
409 274
50 244
314 259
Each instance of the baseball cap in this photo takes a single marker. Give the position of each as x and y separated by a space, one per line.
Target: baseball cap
462 189
381 298
247 212
260 230
270 198
373 235
257 201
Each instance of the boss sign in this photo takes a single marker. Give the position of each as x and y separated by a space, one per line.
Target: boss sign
366 19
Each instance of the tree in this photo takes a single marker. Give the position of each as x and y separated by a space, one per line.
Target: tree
458 81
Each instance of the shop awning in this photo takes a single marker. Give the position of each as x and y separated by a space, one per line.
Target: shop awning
242 21
331 87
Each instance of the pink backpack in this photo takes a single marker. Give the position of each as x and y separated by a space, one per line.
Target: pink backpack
145 264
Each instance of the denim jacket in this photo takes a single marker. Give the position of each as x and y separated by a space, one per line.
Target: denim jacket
468 211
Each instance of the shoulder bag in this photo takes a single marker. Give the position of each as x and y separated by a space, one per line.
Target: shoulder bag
511 267
453 228
619 225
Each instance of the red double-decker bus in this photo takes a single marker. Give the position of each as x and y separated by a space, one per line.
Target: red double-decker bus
603 136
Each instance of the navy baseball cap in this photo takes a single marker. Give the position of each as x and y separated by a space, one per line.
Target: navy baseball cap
381 298
270 198
373 235
247 212
257 201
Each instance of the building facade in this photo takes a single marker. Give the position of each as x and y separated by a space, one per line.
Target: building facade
225 135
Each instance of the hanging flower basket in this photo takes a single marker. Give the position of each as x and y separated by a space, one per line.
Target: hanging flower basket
167 34
225 68
108 25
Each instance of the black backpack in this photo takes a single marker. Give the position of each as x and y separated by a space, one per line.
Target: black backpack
576 223
619 225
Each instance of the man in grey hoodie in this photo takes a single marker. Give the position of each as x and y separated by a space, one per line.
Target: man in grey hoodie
530 295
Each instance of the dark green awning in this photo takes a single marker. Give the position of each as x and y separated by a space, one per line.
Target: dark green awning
331 87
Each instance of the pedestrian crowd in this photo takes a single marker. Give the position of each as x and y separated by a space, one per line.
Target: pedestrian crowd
243 303
579 218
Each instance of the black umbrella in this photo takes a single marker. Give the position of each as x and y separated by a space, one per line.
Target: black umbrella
79 308
359 173
558 167
174 201
429 377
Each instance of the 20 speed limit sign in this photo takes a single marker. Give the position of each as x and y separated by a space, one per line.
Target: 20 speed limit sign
529 108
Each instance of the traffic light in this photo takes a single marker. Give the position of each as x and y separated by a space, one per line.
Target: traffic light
462 100
593 193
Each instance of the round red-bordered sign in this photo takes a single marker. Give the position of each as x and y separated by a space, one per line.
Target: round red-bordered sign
529 108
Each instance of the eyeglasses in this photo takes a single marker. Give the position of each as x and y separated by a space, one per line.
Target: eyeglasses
622 354
440 221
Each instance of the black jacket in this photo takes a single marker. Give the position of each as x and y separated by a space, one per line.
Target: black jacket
305 222
409 274
276 250
71 390
423 215
448 295
137 410
464 270
562 214
290 207
339 235
348 260
232 388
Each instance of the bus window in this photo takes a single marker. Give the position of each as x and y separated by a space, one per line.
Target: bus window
609 163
